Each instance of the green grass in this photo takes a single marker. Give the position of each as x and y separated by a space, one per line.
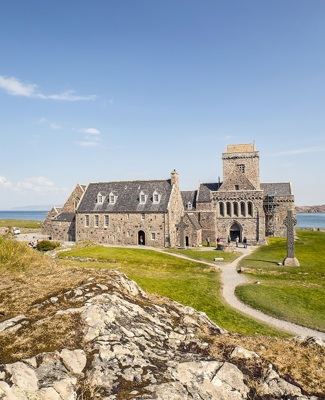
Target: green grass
187 282
295 294
206 255
29 224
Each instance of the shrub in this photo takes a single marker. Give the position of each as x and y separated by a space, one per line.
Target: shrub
46 245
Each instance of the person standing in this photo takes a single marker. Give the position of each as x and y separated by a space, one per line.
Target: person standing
237 241
208 242
245 242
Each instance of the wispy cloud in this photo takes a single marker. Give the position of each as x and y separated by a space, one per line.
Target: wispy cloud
91 138
38 184
15 87
304 150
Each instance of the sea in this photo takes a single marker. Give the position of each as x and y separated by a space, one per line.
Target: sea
304 220
24 215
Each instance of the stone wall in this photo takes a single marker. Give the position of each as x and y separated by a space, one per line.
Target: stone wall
47 226
174 213
71 204
249 160
122 229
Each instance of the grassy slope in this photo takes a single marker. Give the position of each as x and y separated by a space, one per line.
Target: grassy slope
295 294
185 281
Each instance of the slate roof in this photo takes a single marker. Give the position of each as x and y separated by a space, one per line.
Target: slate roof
277 189
205 189
65 217
192 218
127 196
189 196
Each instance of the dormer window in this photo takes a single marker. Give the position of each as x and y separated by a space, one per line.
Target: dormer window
112 198
189 205
100 198
156 197
142 198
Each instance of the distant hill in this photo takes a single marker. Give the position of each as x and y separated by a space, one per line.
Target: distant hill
310 209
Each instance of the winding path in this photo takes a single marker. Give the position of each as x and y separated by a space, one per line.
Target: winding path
231 278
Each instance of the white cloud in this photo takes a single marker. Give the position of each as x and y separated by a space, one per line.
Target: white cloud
37 184
54 125
5 183
91 131
16 88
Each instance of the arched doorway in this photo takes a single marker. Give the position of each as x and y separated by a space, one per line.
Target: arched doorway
141 238
235 231
187 241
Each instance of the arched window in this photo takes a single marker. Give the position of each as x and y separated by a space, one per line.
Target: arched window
250 208
235 208
222 209
228 208
242 209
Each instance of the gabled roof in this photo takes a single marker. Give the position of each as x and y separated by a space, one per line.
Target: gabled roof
277 189
65 217
189 196
205 189
127 196
193 220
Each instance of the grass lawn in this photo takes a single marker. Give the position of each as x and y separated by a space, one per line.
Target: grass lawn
203 254
189 283
295 294
29 224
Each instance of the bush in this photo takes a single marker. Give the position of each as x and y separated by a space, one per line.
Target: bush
46 245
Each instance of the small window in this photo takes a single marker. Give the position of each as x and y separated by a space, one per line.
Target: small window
241 167
243 209
235 209
112 198
236 187
86 220
143 216
96 219
100 198
189 205
156 197
142 198
250 208
106 221
153 236
228 205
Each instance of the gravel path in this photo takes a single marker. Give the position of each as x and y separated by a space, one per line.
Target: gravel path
231 278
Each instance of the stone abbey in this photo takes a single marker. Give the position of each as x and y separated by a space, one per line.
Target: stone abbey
149 212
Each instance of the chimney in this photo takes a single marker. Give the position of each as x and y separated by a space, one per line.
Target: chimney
174 178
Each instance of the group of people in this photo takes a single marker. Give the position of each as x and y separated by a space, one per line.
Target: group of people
229 241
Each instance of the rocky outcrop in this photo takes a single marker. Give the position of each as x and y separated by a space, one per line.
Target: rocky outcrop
310 209
134 348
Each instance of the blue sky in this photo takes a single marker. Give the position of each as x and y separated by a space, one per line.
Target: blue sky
131 89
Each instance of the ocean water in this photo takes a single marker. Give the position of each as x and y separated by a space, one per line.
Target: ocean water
311 220
24 215
304 220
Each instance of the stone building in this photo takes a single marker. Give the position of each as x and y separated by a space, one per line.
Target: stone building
147 212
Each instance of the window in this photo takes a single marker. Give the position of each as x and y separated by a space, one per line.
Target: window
250 208
241 167
143 216
228 208
236 187
153 236
222 209
156 197
236 209
86 220
100 198
142 198
189 205
96 221
112 198
242 209
106 221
